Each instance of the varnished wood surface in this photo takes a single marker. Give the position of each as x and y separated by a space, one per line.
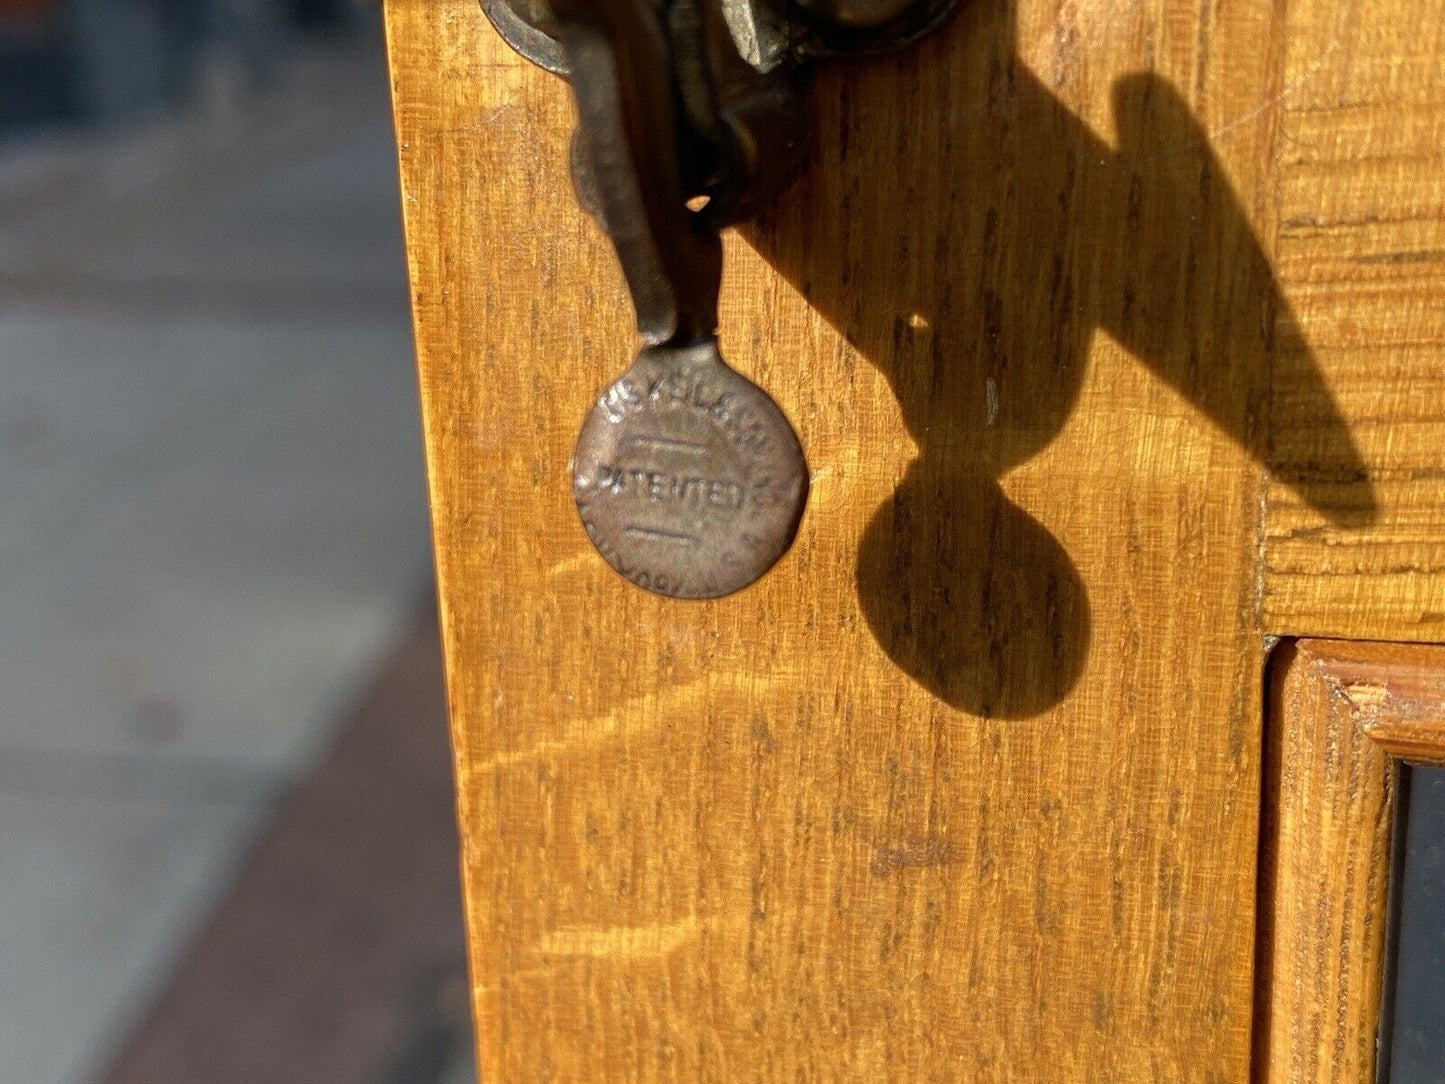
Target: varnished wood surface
1340 713
1395 693
968 787
1361 254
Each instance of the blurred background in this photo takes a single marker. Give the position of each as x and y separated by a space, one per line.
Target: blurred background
227 841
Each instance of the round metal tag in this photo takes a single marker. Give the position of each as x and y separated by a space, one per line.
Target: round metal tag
688 477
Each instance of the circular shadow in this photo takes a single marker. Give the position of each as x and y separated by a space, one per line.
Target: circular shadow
972 597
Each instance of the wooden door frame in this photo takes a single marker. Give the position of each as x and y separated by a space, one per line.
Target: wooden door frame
1343 717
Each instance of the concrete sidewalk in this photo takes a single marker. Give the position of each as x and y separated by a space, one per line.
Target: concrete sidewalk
338 955
212 520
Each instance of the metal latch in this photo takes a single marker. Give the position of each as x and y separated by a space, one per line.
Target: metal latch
689 479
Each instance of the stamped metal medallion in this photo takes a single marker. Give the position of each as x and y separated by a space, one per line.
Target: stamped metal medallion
688 477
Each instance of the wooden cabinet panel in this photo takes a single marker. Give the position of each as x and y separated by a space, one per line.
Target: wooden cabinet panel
1361 254
968 787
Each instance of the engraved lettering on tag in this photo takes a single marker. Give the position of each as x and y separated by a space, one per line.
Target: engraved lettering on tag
689 480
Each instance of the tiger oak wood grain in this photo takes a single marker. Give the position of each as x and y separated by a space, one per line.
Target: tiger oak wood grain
1395 693
1361 253
968 787
1341 714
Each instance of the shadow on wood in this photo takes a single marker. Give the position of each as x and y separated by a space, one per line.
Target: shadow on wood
972 255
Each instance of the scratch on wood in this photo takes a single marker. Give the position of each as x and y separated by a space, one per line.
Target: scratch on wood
1365 694
913 854
619 942
575 563
634 716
